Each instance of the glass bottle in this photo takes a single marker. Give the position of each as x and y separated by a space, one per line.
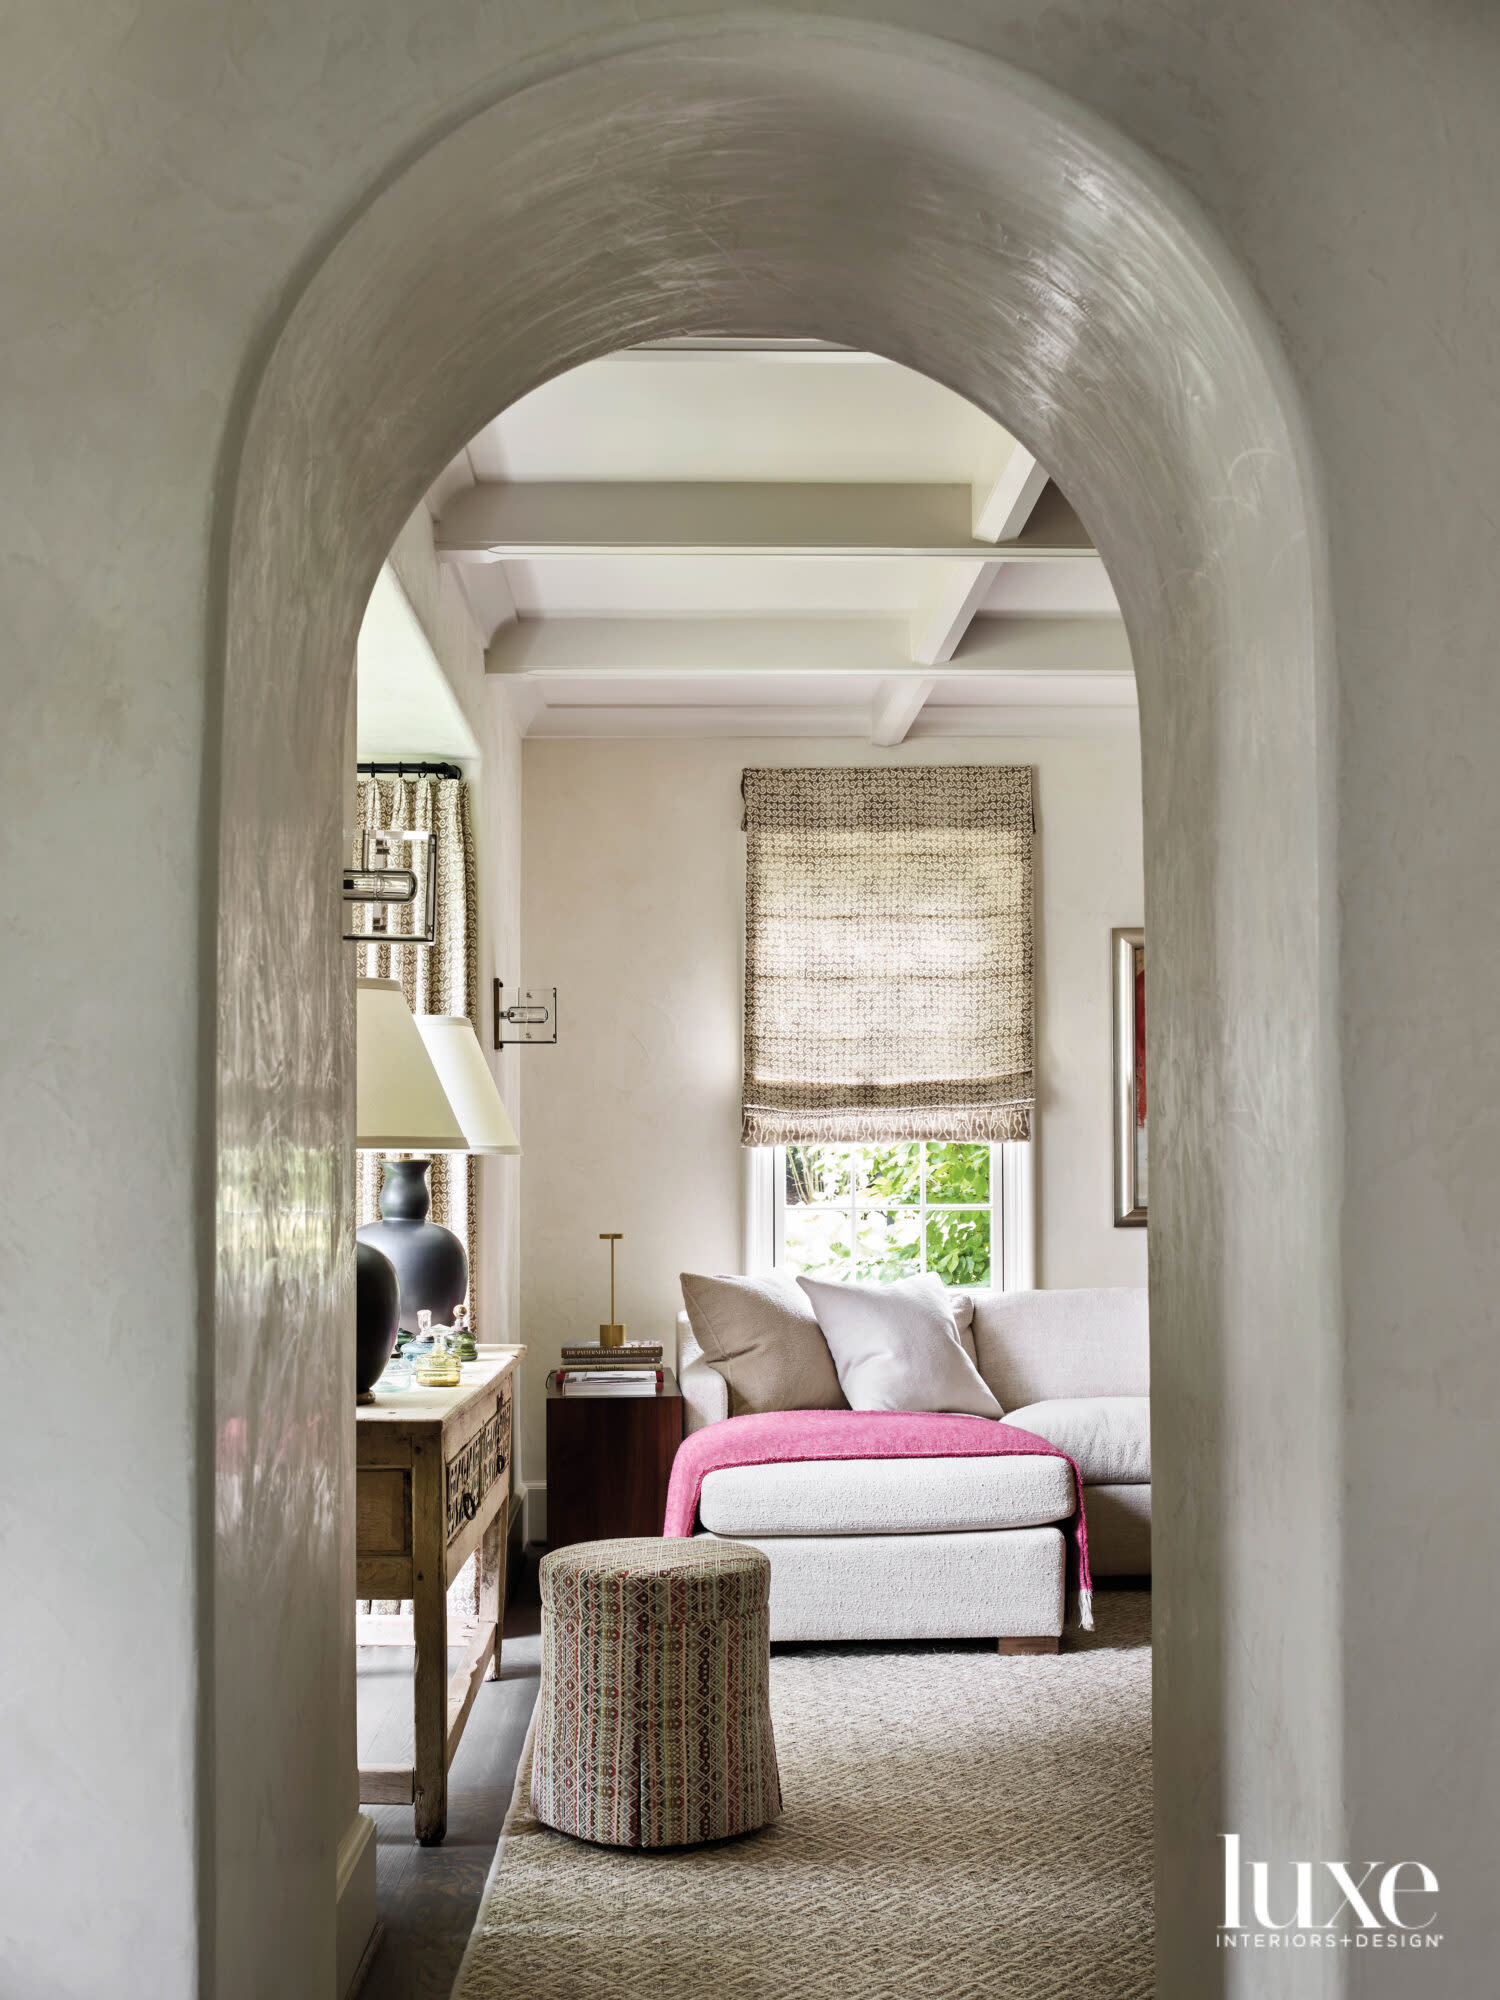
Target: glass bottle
397 1376
463 1339
437 1367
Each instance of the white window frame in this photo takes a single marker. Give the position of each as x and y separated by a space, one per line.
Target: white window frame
1012 1229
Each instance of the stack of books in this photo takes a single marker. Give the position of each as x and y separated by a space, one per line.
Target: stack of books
636 1362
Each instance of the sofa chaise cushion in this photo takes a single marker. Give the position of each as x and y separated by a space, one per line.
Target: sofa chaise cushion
963 1586
890 1496
1107 1437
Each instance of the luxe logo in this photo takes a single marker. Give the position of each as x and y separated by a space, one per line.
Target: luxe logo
1389 1890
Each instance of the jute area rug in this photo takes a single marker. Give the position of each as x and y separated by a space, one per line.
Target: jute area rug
957 1826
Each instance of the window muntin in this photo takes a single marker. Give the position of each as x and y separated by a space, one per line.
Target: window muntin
877 1213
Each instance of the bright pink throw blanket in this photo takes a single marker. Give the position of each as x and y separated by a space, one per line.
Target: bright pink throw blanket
783 1437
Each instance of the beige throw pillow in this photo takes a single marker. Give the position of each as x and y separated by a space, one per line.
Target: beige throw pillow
763 1337
897 1347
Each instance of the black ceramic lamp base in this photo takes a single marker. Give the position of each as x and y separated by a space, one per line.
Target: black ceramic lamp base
430 1262
377 1317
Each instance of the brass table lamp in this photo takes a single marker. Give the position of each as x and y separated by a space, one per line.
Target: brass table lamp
612 1335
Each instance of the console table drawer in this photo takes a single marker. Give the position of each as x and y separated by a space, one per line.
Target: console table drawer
475 1469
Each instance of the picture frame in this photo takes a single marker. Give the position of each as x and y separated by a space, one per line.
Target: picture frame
1128 973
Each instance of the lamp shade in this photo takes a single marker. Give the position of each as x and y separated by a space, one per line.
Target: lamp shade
399 1100
465 1076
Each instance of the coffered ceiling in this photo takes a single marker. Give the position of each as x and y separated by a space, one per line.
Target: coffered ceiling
730 538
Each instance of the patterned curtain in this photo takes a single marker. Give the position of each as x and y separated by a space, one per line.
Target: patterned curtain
439 979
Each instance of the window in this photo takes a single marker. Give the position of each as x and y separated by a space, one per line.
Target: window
875 1213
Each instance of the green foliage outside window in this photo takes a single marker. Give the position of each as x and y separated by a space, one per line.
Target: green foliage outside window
883 1212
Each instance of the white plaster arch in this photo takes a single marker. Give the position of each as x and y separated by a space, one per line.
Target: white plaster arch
816 178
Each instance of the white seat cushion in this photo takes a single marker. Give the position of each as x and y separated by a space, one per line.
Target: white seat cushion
1108 1437
886 1496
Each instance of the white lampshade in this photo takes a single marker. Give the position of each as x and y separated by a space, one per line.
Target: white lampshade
465 1076
399 1101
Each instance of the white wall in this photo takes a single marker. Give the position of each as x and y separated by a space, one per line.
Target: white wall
633 906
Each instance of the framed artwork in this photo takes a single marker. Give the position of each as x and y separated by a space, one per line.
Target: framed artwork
1129 957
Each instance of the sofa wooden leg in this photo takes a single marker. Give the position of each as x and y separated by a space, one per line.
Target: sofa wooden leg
1026 1645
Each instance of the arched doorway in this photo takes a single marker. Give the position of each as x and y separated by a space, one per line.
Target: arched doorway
814 179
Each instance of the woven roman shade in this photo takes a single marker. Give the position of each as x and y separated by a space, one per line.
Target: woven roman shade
888 954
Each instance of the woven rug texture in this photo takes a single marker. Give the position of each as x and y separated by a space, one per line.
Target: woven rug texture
958 1826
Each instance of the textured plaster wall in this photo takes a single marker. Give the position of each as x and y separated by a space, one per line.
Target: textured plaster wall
172 175
634 901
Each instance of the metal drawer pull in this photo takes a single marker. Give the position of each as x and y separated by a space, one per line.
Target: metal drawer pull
474 1471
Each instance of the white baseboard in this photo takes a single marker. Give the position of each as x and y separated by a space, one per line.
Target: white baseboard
534 1511
356 1900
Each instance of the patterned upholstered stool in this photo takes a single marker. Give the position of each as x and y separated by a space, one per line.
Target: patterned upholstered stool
653 1725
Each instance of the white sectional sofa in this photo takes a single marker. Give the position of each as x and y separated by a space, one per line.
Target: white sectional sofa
958 1547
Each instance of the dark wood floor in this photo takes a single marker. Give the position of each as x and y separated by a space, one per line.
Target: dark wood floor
429 1896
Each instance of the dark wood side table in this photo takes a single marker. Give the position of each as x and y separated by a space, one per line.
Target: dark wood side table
609 1457
432 1486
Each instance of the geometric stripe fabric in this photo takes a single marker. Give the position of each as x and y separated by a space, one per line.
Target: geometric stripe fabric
653 1723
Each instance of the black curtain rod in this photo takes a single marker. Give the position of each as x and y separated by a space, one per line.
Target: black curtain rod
409 770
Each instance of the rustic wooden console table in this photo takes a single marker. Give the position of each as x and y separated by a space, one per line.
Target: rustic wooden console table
432 1486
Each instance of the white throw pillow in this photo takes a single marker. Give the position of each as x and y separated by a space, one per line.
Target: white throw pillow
897 1347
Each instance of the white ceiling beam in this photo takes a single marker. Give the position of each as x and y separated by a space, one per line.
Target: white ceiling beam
941 623
1002 509
777 648
697 646
897 704
1083 687
1028 719
1059 646
640 722
1018 677
526 520
1023 713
